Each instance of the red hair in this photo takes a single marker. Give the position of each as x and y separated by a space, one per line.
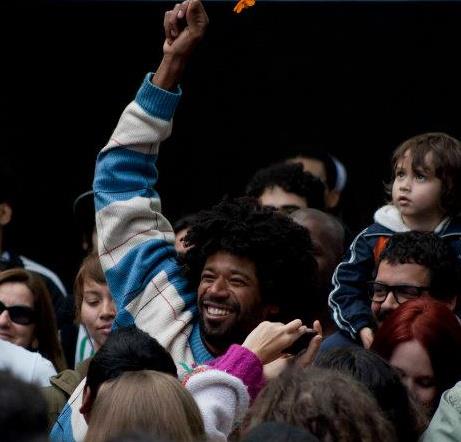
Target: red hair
435 327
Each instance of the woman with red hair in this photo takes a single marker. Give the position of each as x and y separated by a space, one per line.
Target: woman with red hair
422 340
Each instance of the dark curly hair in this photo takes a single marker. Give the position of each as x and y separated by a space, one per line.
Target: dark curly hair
446 160
292 178
280 249
431 251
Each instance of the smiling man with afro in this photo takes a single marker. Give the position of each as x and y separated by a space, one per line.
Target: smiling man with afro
249 263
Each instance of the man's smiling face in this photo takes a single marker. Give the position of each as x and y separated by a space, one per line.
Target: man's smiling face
229 300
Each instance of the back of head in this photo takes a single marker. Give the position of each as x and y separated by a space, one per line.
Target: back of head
331 405
127 349
291 178
435 327
23 411
279 248
278 432
320 155
331 228
446 159
431 251
147 401
384 384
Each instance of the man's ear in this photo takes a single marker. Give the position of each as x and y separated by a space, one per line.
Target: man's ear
6 213
87 403
332 199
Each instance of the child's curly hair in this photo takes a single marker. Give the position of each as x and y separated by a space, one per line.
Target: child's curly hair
280 249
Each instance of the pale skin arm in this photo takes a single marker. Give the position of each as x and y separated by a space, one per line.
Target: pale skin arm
185 26
269 340
304 359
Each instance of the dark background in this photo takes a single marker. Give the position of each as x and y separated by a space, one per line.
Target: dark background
356 77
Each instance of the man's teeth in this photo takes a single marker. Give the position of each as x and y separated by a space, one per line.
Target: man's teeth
218 311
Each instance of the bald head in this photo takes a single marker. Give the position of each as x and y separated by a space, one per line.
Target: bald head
327 235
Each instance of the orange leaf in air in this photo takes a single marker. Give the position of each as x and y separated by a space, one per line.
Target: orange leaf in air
243 4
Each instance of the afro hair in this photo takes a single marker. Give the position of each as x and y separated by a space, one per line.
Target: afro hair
280 249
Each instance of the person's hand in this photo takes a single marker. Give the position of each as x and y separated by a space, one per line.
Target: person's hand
306 358
185 26
275 368
367 337
268 340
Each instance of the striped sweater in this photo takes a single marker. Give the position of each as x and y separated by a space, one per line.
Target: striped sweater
135 241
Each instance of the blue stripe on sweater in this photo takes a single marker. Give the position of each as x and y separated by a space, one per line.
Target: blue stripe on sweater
157 102
62 429
136 270
199 351
126 173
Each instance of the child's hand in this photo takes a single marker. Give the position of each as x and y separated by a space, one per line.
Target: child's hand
367 337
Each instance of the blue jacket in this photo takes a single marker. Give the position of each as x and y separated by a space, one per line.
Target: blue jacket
348 300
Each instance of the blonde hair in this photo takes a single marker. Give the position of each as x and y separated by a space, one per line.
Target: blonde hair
148 401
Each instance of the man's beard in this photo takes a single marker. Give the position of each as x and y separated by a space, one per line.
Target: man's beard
221 338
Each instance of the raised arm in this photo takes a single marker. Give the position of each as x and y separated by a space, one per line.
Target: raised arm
134 239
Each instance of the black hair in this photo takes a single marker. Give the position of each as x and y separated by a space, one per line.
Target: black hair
431 251
292 178
280 249
384 384
185 222
316 153
84 217
23 411
127 349
279 432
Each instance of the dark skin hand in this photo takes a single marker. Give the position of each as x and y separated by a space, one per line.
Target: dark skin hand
185 26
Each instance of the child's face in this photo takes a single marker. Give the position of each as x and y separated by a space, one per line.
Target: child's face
417 193
98 311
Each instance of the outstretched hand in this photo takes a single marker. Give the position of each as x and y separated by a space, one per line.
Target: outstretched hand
269 339
303 359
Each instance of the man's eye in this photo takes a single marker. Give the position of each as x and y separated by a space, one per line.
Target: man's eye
237 282
206 277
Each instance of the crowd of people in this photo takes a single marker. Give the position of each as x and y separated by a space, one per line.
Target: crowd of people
256 319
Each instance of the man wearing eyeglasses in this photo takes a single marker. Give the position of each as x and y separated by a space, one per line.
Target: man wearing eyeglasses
412 265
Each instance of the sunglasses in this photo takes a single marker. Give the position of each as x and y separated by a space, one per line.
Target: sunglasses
402 293
19 314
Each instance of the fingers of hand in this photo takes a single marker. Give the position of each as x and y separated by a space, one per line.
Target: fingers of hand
309 355
294 325
318 328
171 22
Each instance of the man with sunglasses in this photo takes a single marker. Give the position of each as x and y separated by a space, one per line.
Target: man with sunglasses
412 265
